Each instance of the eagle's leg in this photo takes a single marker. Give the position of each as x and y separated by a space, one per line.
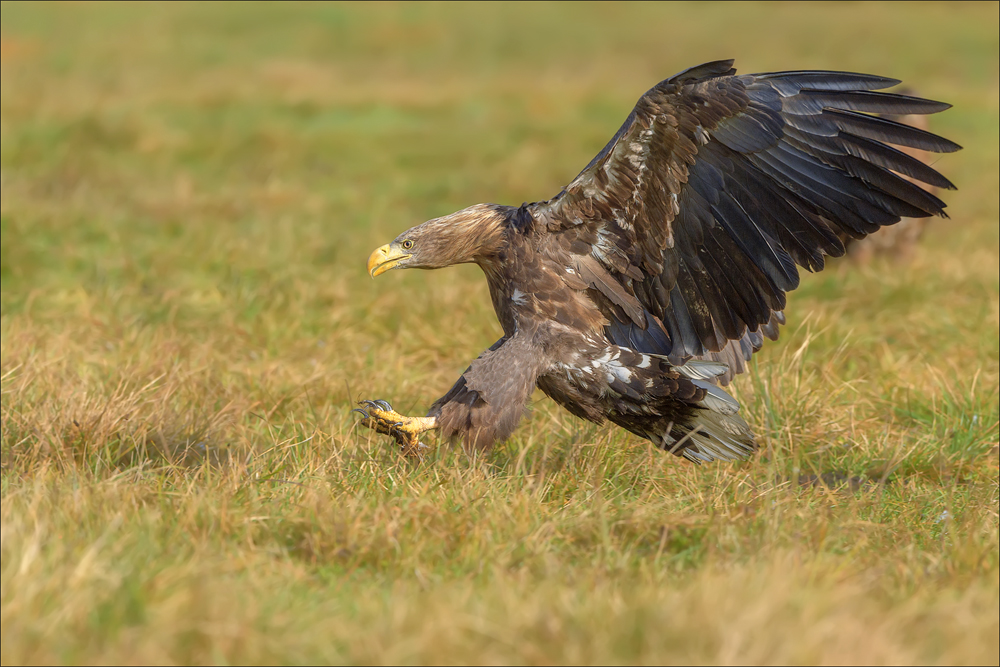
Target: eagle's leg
380 416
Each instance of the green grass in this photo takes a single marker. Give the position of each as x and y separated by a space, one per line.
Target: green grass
189 194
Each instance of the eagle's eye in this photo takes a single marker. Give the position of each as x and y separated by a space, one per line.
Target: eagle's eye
407 244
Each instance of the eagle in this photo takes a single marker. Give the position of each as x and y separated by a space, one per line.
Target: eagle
641 289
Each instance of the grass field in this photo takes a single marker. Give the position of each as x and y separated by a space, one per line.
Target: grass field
189 195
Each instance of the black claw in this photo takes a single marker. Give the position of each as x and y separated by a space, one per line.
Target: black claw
367 416
370 404
384 405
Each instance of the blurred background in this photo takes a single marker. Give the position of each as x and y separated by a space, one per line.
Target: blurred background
189 194
180 161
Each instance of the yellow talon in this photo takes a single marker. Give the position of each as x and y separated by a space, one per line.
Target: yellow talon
380 416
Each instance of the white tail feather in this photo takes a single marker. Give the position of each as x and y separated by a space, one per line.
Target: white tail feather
697 369
716 399
714 436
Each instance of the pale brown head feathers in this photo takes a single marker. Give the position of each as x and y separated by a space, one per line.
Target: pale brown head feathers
474 234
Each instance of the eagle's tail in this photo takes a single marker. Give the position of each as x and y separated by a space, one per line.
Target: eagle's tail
711 435
713 429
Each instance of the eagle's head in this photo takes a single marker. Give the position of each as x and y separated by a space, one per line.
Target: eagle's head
469 235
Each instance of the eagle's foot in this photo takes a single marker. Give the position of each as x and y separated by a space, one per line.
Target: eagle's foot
380 416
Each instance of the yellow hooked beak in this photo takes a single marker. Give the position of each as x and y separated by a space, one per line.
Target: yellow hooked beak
385 258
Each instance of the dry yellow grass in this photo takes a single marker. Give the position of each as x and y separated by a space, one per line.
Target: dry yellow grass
189 195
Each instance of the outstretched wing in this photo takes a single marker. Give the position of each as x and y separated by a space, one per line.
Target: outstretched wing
690 222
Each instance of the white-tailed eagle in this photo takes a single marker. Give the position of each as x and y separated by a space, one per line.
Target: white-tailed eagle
647 283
